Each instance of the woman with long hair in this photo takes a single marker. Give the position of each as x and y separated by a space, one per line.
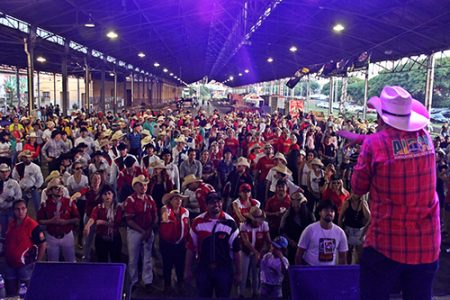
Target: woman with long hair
32 145
294 221
160 182
107 217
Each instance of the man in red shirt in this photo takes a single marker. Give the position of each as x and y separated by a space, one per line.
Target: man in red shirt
263 167
141 217
276 207
231 142
397 167
60 215
24 244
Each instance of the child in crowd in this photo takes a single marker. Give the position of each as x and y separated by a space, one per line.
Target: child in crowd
274 266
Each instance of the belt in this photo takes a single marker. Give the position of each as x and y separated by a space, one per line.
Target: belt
58 236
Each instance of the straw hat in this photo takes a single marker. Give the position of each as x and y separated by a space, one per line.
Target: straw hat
145 132
50 124
139 179
242 161
32 134
160 119
103 143
105 134
254 146
190 179
147 140
54 183
169 196
317 162
117 135
298 196
26 153
51 176
4 168
281 156
181 139
158 164
282 169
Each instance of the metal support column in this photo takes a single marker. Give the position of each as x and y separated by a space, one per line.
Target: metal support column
54 89
366 93
65 91
330 106
29 43
18 86
38 90
125 97
132 88
115 92
78 93
430 81
102 104
86 104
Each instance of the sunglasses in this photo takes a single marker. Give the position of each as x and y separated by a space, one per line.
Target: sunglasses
246 191
335 182
80 168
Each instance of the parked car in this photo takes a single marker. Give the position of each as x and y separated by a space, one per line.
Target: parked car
438 118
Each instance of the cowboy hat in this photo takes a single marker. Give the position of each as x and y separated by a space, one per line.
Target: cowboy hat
145 132
50 124
158 164
4 168
317 162
160 119
25 153
32 134
254 146
281 156
282 169
169 196
398 109
106 133
103 143
147 140
139 179
298 196
54 183
190 179
180 139
117 135
53 174
242 161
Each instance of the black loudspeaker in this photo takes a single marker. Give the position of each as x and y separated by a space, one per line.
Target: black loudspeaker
76 281
324 283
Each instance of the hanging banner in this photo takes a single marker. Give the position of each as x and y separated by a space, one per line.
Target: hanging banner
295 106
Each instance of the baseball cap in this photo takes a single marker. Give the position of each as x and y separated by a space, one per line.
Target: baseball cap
280 242
245 187
213 197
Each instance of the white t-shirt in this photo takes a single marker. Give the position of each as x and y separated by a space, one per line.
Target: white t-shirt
322 245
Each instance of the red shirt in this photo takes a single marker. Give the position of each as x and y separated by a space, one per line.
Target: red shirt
126 178
67 211
176 230
244 208
141 210
35 150
20 238
201 192
263 167
398 168
100 212
283 145
232 144
338 200
92 200
274 205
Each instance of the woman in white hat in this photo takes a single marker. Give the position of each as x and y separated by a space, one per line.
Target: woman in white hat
32 145
173 232
314 178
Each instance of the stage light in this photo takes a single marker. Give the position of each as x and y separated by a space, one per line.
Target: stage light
90 23
156 64
231 78
240 74
141 54
293 49
165 70
338 27
112 35
270 59
41 59
246 71
171 74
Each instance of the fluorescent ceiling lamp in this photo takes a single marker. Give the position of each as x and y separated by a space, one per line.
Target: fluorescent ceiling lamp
338 27
156 64
246 71
293 49
112 35
165 70
171 74
270 59
240 74
141 54
41 59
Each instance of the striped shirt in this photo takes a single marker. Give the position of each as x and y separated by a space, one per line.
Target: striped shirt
398 168
214 239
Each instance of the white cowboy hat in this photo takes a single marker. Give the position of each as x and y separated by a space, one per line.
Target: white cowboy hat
190 179
281 156
175 193
117 135
282 169
140 179
147 140
398 109
242 161
158 164
180 139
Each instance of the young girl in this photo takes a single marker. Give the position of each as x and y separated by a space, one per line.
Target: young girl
274 267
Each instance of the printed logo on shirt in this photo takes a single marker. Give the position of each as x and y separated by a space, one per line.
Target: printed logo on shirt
326 249
407 148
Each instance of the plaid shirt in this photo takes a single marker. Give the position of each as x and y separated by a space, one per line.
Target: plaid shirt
398 168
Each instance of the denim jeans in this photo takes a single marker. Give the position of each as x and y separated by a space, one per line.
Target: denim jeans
35 198
379 275
137 247
249 261
219 279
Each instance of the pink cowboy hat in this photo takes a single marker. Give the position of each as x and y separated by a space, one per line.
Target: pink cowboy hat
398 109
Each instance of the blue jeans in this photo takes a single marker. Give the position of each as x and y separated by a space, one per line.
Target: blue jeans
219 279
379 275
136 247
34 196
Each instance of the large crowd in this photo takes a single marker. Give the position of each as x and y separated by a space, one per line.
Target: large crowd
223 198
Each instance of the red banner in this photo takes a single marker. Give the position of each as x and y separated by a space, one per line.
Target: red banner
295 106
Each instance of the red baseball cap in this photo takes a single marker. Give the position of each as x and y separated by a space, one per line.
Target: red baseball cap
245 187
